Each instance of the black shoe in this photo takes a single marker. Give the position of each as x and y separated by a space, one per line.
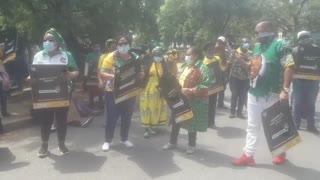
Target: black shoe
241 116
232 116
63 150
43 152
313 130
87 122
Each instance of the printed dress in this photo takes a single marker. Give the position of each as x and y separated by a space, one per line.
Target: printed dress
197 77
153 108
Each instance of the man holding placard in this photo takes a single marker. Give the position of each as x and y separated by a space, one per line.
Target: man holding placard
271 76
306 78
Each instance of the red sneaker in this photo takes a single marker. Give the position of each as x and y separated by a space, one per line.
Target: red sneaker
244 160
279 159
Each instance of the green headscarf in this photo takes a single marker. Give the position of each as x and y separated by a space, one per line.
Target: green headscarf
158 50
57 37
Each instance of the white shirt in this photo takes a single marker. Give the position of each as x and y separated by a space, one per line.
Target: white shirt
43 58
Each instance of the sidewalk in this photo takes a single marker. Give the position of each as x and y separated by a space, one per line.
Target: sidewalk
19 107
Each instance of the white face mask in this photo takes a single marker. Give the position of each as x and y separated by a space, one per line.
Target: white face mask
157 59
124 49
48 46
188 60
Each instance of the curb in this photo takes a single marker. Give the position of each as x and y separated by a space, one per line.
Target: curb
14 124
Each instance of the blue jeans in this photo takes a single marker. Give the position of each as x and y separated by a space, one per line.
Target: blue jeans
124 110
305 94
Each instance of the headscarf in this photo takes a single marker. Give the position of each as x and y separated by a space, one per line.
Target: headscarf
158 50
57 37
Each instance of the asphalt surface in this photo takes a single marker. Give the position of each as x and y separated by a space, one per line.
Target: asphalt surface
212 159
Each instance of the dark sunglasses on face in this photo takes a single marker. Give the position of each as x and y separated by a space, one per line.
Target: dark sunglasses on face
123 44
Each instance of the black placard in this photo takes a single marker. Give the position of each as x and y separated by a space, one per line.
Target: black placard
308 68
126 82
180 108
49 87
279 128
9 39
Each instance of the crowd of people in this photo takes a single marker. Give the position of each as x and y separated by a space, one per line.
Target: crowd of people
258 77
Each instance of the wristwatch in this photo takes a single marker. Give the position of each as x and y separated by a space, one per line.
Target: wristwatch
286 90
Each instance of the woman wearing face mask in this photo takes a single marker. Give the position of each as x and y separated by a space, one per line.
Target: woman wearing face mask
53 54
195 81
153 108
123 109
239 80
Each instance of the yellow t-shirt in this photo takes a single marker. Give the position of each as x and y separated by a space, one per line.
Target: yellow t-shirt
101 60
108 62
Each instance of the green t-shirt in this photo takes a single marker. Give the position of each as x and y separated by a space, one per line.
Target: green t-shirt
92 57
72 65
267 67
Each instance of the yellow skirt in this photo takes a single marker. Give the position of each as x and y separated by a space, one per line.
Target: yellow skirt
153 108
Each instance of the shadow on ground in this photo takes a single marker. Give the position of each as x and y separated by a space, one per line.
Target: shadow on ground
231 132
147 154
7 161
293 171
78 162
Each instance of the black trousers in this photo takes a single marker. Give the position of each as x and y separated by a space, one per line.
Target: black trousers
1 95
175 132
47 116
239 94
3 99
114 111
221 93
212 109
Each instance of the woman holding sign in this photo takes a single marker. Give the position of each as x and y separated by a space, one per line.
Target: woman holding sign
153 108
54 55
195 80
122 109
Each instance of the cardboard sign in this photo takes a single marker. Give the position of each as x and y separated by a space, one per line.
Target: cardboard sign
126 83
279 128
8 41
92 74
49 87
309 67
180 107
219 80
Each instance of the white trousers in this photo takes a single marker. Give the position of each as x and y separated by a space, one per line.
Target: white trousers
255 108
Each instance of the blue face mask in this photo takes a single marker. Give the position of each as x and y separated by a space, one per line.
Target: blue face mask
245 46
265 37
188 60
48 46
157 59
124 49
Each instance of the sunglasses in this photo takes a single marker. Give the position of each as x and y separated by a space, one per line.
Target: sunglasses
123 44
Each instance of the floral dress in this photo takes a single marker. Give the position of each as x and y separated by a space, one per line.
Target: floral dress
198 77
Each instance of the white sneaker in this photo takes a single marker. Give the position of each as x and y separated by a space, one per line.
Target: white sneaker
169 146
191 150
128 144
106 146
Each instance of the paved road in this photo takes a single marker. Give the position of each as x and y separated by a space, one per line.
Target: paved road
216 148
